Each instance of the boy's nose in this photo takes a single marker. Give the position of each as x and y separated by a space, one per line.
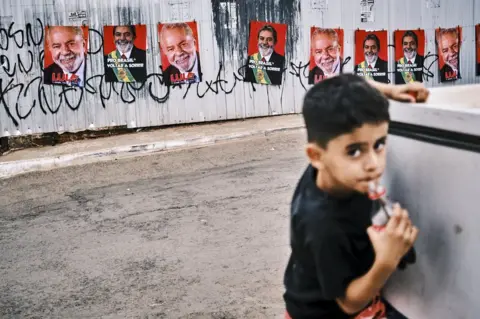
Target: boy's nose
371 162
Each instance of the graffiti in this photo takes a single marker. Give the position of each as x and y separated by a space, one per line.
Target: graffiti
300 70
21 37
427 74
72 97
20 99
101 90
92 34
22 89
217 85
345 61
23 67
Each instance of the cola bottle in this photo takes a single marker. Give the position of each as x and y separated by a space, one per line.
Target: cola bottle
382 210
382 207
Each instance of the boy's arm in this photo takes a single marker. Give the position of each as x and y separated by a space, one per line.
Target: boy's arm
390 245
362 290
410 92
336 265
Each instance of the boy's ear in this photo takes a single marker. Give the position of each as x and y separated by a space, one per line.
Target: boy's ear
315 154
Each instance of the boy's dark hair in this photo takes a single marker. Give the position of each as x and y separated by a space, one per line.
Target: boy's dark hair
338 105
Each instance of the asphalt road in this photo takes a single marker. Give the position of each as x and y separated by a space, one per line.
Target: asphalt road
199 233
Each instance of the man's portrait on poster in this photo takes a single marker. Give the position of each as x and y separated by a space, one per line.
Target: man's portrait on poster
265 66
179 48
372 67
409 66
325 50
127 62
67 46
448 41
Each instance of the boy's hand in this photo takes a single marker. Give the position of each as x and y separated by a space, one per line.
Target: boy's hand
394 241
410 92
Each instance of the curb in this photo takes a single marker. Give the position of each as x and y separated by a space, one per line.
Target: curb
10 169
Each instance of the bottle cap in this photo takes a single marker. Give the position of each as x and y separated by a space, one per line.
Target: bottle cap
375 191
381 190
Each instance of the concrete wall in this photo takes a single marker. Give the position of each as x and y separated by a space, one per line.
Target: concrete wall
28 107
439 185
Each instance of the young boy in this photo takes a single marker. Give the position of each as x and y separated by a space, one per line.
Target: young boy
339 263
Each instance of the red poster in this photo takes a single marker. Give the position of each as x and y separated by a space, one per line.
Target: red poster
65 55
326 53
409 55
448 44
266 53
179 47
371 55
125 55
477 36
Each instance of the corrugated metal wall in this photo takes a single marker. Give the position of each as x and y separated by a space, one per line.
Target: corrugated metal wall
28 107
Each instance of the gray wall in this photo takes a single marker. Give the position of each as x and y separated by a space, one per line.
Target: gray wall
26 106
439 186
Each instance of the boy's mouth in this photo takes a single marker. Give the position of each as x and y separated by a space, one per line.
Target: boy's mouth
371 179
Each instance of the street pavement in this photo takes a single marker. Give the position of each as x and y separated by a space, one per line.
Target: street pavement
192 233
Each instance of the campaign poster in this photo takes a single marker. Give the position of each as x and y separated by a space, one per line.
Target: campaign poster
326 53
371 55
125 55
65 55
477 36
179 51
266 53
448 43
409 55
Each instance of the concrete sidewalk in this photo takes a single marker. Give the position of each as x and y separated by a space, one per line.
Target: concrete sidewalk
141 143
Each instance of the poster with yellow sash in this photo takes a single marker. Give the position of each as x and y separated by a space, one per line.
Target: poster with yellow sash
125 53
371 55
409 55
266 53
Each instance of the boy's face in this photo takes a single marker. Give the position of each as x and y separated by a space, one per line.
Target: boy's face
350 161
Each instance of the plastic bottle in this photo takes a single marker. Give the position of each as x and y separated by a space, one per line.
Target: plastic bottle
384 208
382 212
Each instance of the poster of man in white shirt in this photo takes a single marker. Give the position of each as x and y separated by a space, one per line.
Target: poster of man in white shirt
179 47
326 54
65 55
448 42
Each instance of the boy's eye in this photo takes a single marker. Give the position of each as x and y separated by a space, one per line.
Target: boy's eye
380 145
354 152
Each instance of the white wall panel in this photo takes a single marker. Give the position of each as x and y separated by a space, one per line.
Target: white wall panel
27 106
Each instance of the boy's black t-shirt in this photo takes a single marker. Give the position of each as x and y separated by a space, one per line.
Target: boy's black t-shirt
330 248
